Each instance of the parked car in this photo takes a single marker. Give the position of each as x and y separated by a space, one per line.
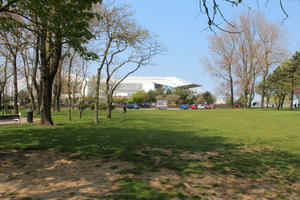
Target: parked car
237 105
201 106
184 107
194 107
210 107
133 106
161 104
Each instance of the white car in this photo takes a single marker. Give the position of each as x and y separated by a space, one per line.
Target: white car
200 106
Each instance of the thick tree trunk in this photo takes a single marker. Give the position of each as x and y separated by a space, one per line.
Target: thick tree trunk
50 54
46 118
16 106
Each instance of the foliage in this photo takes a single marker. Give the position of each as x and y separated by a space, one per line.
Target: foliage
172 98
199 100
120 100
208 98
151 96
284 80
138 97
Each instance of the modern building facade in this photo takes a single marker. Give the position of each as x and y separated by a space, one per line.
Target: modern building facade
135 84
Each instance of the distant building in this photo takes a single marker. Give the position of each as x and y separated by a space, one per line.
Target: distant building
135 84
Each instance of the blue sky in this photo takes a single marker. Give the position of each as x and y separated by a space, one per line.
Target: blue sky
180 27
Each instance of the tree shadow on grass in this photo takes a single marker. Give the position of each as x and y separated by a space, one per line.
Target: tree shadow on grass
150 150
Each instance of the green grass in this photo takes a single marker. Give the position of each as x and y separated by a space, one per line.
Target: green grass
247 142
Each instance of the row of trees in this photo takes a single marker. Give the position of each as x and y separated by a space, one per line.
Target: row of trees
283 82
242 59
50 45
176 96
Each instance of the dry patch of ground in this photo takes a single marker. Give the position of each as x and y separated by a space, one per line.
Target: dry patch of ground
51 175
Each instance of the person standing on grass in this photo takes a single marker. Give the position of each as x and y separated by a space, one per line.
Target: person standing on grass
124 108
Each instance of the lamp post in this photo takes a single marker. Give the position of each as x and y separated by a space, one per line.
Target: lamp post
2 84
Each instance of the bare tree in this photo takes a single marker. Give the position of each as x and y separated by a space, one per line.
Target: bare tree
12 44
272 50
248 45
120 35
84 86
27 70
142 56
223 60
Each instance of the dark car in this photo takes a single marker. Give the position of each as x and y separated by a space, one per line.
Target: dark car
184 107
133 106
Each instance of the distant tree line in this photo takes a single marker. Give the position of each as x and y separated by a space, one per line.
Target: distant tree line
174 97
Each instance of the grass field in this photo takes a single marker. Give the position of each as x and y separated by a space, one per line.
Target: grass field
207 154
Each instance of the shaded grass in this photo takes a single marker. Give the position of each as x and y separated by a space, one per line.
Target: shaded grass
254 144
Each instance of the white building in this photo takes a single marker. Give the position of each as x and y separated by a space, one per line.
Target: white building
135 84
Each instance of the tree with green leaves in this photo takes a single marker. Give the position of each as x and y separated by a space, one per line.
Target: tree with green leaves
208 98
54 24
292 75
138 97
279 84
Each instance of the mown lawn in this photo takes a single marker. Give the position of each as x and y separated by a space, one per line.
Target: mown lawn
212 154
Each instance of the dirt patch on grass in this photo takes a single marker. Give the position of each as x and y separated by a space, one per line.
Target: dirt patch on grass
52 175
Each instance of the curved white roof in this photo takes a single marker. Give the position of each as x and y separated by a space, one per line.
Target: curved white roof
167 81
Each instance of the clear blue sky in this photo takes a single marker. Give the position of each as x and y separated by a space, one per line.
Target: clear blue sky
180 27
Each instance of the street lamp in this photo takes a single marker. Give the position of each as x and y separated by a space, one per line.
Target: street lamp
2 84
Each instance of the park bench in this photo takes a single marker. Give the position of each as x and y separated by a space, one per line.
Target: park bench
11 118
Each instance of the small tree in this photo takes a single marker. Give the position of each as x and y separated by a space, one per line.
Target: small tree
139 97
151 96
208 98
200 100
172 98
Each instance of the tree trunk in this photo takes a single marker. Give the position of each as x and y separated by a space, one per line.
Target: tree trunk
16 106
97 97
292 95
46 118
109 107
268 102
263 93
49 67
58 88
34 77
69 90
246 98
292 100
231 87
39 101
